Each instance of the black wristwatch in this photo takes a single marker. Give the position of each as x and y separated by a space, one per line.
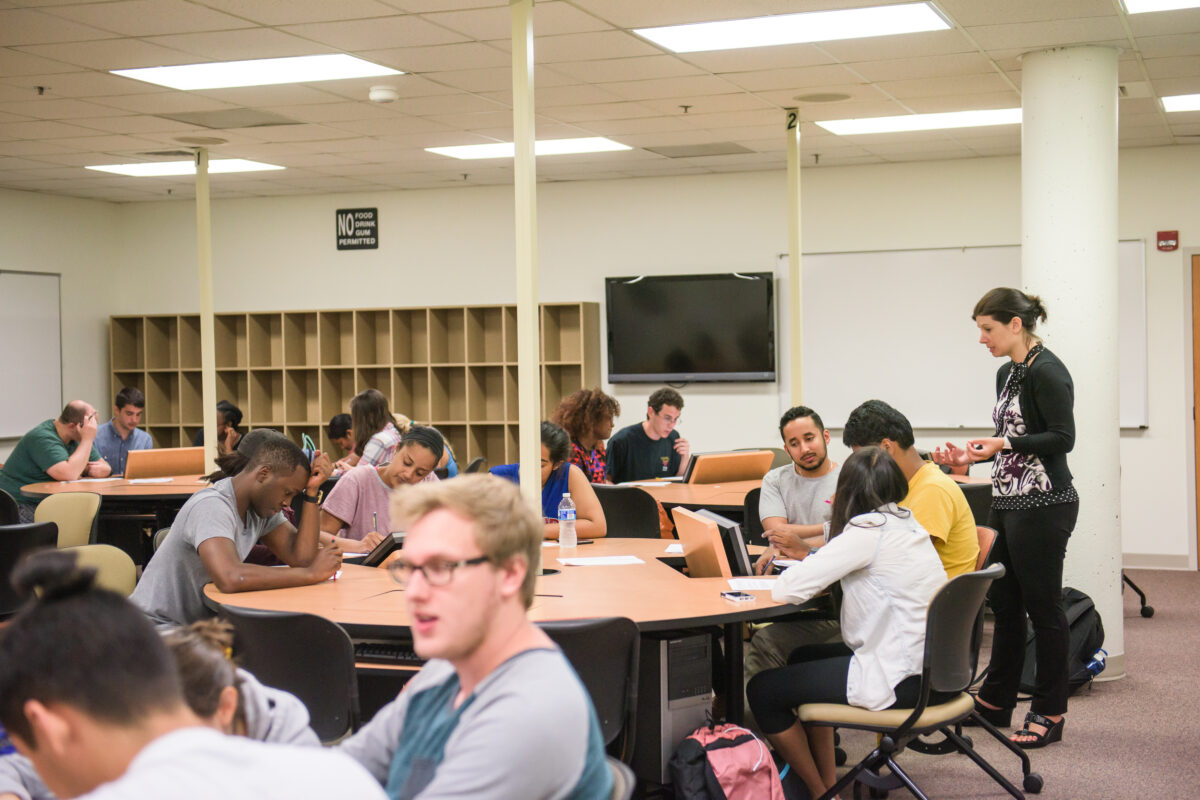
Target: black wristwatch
316 501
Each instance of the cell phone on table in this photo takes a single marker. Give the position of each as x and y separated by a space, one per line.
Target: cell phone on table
738 597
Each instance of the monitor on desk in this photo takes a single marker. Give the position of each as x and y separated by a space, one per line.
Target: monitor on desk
166 462
713 546
742 465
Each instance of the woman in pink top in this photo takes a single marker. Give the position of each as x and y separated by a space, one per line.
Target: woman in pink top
355 515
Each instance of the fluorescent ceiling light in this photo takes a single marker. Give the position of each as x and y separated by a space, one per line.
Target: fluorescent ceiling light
155 169
259 72
547 147
812 26
1182 102
1144 6
923 122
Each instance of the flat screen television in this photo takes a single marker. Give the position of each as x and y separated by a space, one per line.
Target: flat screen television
685 328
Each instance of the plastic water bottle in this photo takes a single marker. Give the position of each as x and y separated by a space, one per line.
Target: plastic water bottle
566 522
1095 666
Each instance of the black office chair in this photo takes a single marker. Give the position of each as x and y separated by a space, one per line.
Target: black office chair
752 527
307 655
478 464
9 513
15 542
629 511
953 615
979 498
604 653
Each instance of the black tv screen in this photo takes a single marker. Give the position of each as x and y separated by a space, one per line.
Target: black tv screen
691 327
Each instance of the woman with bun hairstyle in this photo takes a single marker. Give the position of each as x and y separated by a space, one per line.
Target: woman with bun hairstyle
1034 508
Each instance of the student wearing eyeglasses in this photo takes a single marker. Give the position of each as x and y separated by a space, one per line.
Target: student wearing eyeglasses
497 711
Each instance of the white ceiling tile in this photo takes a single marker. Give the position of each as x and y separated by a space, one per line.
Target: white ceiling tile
456 56
405 85
240 45
389 127
80 84
334 112
973 12
759 58
496 23
354 36
14 62
627 69
260 96
1169 86
609 111
642 14
1163 23
136 123
858 93
1182 44
682 87
586 46
51 108
13 163
163 103
909 45
963 102
796 78
1175 67
148 17
898 69
737 119
112 143
499 80
1034 35
945 85
26 27
111 54
42 129
548 98
293 12
460 103
850 109
30 148
620 127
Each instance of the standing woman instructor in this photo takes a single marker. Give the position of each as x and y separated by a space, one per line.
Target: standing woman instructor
1034 508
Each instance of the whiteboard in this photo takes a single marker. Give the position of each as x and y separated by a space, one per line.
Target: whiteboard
932 372
31 353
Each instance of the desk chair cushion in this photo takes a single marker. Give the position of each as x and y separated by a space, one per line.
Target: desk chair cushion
845 716
115 570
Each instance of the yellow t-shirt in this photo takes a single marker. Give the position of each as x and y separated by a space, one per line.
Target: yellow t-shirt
941 508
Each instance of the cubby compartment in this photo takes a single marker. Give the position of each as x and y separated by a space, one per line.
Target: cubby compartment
229 332
297 432
558 381
485 394
337 337
447 336
189 342
266 340
485 335
410 392
510 334
512 404
301 396
166 436
126 342
266 397
487 441
448 394
373 334
337 388
188 436
162 398
375 378
512 444
562 338
162 343
122 379
456 435
300 340
191 398
410 336
232 386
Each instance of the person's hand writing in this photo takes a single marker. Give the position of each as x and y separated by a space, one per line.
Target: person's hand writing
372 540
764 561
322 468
983 449
363 545
786 542
327 562
952 456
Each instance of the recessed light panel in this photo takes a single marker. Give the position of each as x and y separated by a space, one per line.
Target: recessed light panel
811 26
157 169
259 72
1144 6
547 147
923 122
1182 102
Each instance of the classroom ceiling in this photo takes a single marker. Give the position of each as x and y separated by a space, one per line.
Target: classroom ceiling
60 110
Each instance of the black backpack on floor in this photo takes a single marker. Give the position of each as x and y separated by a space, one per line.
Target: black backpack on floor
1087 636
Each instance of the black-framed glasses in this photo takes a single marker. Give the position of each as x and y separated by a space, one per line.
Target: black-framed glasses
436 573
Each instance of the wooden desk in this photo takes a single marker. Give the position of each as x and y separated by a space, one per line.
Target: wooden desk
369 604
179 488
719 497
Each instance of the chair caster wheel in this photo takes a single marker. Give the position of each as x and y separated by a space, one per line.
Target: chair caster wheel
1033 783
970 742
839 756
1147 611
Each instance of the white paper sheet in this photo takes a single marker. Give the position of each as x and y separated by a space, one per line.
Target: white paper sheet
785 562
646 484
92 480
600 561
675 548
750 584
151 480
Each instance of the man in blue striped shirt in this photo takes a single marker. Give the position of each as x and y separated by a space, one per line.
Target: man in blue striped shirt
119 435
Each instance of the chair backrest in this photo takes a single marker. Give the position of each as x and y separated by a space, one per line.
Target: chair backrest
781 456
624 781
629 511
16 541
75 514
478 464
164 462
115 570
987 538
159 535
307 655
953 614
979 498
604 653
9 513
752 527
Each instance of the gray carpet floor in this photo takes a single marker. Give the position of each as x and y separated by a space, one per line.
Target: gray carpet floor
1138 736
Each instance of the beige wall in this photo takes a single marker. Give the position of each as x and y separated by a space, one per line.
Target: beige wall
455 246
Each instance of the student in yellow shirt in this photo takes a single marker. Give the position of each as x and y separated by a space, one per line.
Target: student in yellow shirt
935 499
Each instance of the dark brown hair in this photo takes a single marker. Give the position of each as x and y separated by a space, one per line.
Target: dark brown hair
369 414
1004 303
203 651
579 413
869 479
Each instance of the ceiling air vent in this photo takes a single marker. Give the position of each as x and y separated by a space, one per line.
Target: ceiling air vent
169 153
230 118
696 150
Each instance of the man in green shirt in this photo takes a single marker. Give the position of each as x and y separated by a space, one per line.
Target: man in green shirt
52 452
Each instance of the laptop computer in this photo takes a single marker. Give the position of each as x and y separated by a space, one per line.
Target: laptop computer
166 462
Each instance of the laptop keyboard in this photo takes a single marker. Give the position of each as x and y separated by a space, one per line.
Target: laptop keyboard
400 653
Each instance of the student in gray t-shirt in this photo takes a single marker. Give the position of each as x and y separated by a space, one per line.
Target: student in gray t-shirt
217 527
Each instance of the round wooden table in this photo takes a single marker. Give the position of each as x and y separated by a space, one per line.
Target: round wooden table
178 488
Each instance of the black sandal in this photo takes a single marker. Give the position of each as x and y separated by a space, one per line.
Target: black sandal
1052 734
999 717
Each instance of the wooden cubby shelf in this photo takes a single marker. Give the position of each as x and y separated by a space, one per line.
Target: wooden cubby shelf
450 366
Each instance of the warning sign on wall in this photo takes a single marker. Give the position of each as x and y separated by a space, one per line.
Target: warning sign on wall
358 229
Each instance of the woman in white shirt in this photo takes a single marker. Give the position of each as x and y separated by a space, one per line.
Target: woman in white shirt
889 571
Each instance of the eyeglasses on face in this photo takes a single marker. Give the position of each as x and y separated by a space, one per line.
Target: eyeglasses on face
436 573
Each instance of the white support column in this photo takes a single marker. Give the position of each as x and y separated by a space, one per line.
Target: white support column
794 347
208 361
529 379
1069 258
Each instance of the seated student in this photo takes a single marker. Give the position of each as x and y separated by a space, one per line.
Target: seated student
935 499
222 695
341 432
559 476
651 448
375 433
355 514
115 438
110 721
229 417
217 527
587 417
497 710
60 449
889 572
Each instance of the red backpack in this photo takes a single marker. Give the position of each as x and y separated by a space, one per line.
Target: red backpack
724 762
